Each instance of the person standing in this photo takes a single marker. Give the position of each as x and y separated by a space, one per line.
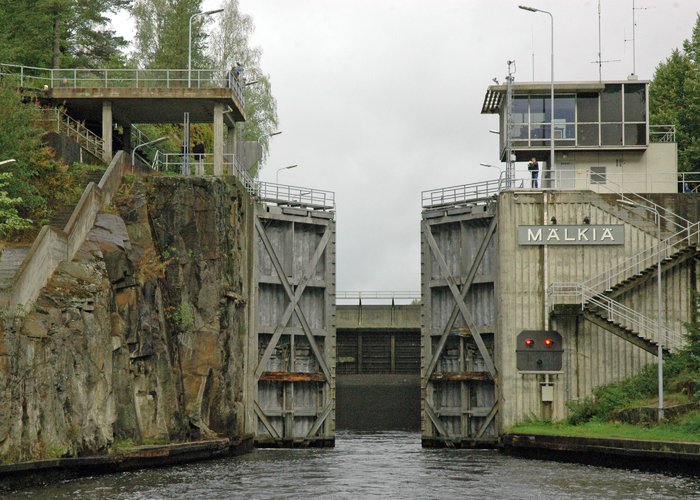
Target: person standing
199 156
534 169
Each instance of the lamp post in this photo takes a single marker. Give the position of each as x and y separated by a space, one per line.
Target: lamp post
7 162
551 89
659 337
189 52
277 175
149 143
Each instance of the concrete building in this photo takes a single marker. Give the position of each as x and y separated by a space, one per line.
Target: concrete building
602 135
533 297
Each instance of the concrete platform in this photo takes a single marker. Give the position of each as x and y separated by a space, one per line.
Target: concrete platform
669 456
15 476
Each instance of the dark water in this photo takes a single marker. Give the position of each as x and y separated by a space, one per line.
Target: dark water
379 465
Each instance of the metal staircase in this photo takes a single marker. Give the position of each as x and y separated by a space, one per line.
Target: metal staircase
597 294
59 121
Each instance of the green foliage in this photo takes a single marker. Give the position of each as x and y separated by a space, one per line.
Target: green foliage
162 33
607 399
59 33
10 220
674 98
183 316
231 45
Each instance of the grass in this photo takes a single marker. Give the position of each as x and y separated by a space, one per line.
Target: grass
686 429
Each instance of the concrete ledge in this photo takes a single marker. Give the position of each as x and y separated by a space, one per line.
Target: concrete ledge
625 453
268 442
39 472
435 442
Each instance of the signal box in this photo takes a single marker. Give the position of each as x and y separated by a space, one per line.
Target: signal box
539 351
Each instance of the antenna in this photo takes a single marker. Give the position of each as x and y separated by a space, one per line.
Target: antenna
634 37
600 61
532 45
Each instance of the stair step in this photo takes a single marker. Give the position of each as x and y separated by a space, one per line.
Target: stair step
10 261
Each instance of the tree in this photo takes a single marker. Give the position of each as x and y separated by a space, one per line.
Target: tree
674 98
231 45
59 33
162 33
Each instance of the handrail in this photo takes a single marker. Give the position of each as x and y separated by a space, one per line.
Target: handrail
77 131
34 77
281 194
644 259
378 295
466 193
662 133
616 312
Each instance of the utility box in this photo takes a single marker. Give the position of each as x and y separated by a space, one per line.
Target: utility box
539 351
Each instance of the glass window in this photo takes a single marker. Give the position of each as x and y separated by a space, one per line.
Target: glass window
635 102
611 103
587 107
611 134
564 108
539 110
518 132
539 132
564 131
519 109
598 175
635 134
588 134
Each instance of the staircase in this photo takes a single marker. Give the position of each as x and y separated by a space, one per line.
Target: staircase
11 259
58 120
63 213
598 294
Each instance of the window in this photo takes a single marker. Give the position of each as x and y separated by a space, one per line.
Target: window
598 175
635 103
611 103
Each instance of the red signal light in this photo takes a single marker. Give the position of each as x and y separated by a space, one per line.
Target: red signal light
529 342
548 342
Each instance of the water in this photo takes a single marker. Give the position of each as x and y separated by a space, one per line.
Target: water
375 465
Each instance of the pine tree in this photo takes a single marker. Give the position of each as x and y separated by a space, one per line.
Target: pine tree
59 33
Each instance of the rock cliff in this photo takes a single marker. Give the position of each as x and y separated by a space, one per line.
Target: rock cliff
141 336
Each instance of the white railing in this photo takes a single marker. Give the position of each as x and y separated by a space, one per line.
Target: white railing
385 296
64 124
281 194
466 193
267 192
645 259
33 77
615 312
662 133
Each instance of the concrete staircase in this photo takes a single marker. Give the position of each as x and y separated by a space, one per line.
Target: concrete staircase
11 259
63 213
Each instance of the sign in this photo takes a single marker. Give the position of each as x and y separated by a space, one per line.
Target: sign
572 235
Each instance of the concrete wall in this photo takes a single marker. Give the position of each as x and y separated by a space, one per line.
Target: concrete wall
378 316
592 356
653 170
51 246
68 150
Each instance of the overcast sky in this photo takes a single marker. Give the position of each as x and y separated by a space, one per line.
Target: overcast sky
379 100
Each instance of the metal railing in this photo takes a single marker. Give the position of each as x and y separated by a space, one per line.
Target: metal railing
662 133
281 194
383 295
645 259
614 312
58 120
466 193
33 77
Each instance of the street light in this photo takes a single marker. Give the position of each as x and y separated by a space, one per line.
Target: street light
189 53
277 176
274 133
551 85
491 166
149 143
7 162
657 217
